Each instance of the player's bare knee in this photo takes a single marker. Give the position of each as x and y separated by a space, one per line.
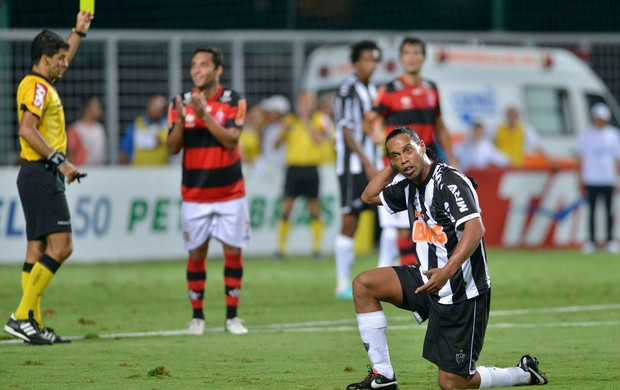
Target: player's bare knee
452 381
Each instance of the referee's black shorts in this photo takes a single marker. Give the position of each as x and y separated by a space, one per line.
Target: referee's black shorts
302 181
455 332
42 193
351 188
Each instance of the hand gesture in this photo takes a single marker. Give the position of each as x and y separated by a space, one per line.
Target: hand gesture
70 172
178 106
82 24
437 278
199 105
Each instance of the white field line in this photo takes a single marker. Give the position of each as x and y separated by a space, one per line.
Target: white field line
348 325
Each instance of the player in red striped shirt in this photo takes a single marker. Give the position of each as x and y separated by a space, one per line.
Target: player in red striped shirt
206 123
411 101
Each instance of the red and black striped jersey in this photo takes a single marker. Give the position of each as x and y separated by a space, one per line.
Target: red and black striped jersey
211 172
416 106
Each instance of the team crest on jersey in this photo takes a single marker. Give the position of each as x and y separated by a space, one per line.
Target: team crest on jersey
40 91
190 120
405 101
431 99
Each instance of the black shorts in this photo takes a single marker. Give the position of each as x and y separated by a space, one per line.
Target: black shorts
302 181
455 332
42 193
351 188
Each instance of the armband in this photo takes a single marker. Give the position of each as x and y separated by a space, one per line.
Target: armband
57 158
80 33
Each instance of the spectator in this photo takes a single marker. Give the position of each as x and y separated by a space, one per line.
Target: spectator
86 138
144 141
598 151
249 141
303 139
516 139
274 108
324 117
478 152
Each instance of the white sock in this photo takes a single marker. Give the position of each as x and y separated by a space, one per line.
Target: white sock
344 261
372 327
502 377
388 248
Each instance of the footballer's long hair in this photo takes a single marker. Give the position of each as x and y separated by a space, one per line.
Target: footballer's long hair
46 43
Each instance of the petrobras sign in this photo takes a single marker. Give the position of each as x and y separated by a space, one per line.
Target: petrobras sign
123 213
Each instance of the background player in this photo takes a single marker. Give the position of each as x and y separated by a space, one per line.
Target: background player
357 156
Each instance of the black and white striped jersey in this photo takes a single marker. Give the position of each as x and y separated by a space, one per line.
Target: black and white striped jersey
437 210
352 100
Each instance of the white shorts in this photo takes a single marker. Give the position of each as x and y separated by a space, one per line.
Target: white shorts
399 220
228 221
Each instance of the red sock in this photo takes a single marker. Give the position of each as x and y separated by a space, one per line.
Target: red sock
233 274
196 280
407 251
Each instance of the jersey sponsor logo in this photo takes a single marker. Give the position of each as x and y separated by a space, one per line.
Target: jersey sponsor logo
421 232
457 196
226 96
40 91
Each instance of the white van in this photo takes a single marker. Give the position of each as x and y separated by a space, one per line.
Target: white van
552 88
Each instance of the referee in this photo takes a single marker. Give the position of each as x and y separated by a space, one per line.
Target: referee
41 178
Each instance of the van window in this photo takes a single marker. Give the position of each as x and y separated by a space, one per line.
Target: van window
547 110
593 99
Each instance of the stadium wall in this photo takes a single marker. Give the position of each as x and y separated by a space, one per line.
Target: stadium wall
133 213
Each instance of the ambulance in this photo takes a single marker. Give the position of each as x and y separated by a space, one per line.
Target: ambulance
552 88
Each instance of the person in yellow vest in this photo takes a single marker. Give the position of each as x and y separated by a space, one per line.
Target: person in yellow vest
144 141
42 176
249 141
303 139
516 139
323 117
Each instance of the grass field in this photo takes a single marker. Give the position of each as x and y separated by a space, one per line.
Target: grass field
557 305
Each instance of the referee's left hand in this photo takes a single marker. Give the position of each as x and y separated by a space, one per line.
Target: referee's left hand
69 171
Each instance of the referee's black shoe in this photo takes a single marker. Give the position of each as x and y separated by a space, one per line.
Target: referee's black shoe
530 364
49 334
27 330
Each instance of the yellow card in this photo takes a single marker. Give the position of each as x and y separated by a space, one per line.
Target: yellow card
87 6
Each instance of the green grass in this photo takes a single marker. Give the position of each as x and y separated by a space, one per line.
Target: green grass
579 349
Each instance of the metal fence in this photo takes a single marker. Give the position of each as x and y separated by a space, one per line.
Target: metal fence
124 68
